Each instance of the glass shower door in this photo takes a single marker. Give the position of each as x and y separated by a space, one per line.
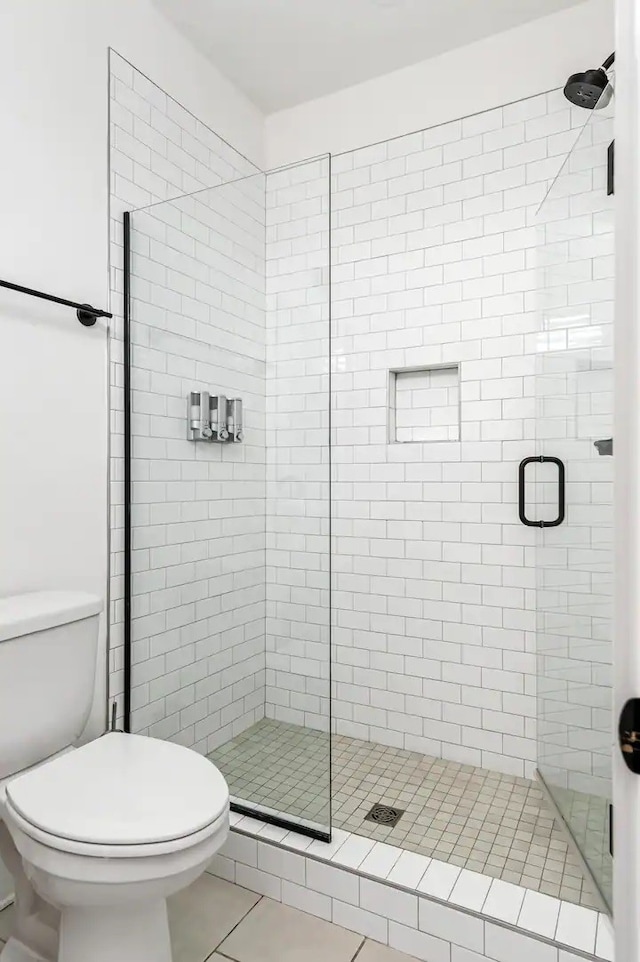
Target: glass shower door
229 644
574 559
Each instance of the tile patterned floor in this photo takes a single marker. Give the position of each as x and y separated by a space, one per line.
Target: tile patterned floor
246 927
495 824
283 767
588 816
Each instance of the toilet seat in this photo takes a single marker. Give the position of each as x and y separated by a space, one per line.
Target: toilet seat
103 835
130 794
113 852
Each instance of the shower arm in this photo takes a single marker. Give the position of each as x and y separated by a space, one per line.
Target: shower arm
609 61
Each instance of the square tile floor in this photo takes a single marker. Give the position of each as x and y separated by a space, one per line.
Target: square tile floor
214 920
283 767
588 816
495 824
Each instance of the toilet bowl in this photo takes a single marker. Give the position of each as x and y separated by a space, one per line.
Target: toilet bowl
95 837
105 833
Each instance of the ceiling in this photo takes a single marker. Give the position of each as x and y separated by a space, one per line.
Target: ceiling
284 52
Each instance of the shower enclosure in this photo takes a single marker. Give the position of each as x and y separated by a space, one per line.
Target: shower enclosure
574 561
229 628
338 590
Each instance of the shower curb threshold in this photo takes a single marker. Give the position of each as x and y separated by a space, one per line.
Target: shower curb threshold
409 901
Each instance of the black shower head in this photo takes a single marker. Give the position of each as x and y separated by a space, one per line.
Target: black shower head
591 88
586 89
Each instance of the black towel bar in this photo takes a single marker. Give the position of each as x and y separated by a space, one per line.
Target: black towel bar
85 313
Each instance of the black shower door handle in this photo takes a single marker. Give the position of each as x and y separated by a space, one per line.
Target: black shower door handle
541 459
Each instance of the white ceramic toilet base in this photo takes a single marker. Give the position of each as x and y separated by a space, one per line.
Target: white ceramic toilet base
35 923
137 932
93 886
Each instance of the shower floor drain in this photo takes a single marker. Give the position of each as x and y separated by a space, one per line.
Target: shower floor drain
384 815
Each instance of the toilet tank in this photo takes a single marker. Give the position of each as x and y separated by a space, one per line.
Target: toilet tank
48 655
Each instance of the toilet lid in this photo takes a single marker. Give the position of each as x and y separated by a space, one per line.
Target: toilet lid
122 790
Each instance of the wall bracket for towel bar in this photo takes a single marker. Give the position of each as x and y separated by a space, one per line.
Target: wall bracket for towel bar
86 314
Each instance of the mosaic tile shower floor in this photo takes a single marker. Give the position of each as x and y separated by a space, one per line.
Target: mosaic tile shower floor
588 816
481 820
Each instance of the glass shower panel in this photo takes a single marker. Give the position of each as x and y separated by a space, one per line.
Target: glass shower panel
574 560
230 643
298 628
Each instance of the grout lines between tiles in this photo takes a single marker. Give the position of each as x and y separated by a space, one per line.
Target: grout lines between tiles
495 824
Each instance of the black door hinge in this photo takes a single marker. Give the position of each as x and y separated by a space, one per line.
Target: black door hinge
611 149
629 734
611 830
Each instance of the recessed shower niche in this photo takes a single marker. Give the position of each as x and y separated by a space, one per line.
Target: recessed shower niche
424 404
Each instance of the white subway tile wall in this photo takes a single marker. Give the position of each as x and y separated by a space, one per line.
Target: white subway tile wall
200 292
298 498
433 591
198 536
434 255
198 322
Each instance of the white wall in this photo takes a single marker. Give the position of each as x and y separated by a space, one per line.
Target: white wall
504 68
54 236
54 203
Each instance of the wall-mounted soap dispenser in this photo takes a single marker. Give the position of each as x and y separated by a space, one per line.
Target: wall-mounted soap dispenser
199 421
214 417
218 416
234 419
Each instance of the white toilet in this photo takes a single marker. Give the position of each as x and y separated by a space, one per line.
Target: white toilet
95 837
